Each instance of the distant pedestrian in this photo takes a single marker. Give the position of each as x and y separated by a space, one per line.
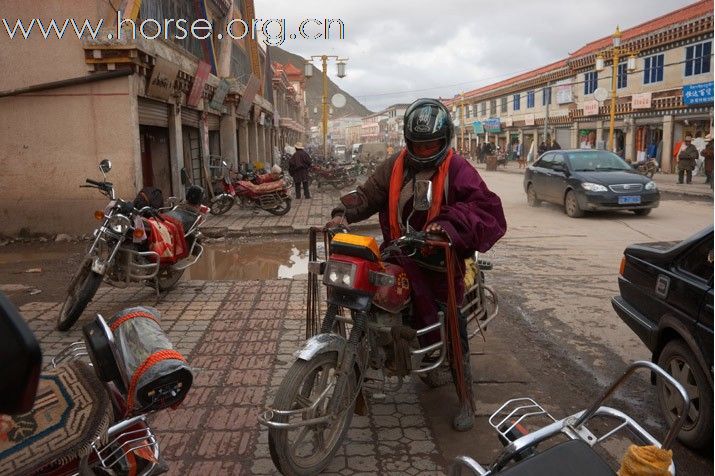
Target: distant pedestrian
708 160
542 148
298 167
555 145
686 160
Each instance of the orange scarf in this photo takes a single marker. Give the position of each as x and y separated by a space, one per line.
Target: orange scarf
398 171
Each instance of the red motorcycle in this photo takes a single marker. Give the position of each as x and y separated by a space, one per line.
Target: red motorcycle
332 175
88 413
267 192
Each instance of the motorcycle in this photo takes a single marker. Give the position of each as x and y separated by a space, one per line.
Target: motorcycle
522 425
336 177
123 252
647 168
314 404
88 413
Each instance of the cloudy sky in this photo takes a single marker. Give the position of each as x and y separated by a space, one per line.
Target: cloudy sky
400 50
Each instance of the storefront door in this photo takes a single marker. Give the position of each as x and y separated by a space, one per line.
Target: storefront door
156 162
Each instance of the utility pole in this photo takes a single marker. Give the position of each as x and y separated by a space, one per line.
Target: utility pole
324 58
546 117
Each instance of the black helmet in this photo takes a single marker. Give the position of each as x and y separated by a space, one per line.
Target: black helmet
427 120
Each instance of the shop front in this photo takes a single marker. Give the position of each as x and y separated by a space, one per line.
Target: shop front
154 144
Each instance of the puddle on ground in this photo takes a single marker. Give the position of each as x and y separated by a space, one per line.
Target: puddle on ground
252 261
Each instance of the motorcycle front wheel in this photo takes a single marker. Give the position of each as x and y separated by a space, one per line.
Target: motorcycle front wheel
308 450
82 289
221 204
168 277
281 209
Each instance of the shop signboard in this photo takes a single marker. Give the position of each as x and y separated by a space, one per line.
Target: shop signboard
492 125
161 81
641 100
197 89
529 119
509 121
700 93
249 94
478 127
564 92
590 108
220 94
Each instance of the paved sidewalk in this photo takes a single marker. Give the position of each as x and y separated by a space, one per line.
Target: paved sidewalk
667 183
302 215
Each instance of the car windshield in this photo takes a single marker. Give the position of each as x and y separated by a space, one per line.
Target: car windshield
596 160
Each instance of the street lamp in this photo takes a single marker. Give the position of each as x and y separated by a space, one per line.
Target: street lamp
616 52
341 74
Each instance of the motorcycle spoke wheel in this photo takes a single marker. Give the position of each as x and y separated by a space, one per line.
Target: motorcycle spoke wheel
306 450
167 278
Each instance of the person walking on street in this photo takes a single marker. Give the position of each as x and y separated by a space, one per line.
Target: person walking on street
707 154
686 160
298 167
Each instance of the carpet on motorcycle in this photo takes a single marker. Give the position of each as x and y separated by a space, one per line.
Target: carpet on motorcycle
264 187
71 410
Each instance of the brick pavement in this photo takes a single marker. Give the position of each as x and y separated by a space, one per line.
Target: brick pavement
240 336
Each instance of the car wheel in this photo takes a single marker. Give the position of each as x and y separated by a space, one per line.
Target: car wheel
571 205
677 359
642 212
531 196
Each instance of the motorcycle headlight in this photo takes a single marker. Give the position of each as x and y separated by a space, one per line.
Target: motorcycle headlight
651 186
119 224
593 187
340 274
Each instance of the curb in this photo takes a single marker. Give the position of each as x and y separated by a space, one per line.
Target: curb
225 232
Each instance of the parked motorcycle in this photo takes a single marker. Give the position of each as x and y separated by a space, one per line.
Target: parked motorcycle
88 413
647 168
314 404
336 177
522 424
140 246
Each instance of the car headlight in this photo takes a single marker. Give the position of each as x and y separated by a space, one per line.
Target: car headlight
119 224
340 274
593 187
651 186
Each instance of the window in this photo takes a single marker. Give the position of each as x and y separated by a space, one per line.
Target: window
653 69
529 99
546 161
697 58
493 107
483 109
517 102
590 82
698 261
503 105
546 96
622 75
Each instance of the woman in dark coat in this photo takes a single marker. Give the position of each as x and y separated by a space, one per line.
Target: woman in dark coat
299 167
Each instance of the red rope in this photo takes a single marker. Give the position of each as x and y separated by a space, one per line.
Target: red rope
116 324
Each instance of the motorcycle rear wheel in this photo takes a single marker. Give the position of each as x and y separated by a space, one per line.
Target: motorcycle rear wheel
281 209
85 285
221 204
302 384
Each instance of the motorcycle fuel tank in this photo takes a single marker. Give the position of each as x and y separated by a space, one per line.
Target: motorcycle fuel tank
396 297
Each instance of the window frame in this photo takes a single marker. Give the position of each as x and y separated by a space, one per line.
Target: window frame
590 82
530 99
516 102
653 74
704 58
504 105
544 99
622 75
693 251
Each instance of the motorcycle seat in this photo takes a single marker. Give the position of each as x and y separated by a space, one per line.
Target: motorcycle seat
71 409
565 459
264 187
185 216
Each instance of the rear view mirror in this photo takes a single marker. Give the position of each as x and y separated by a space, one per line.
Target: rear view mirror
22 361
352 199
423 195
105 166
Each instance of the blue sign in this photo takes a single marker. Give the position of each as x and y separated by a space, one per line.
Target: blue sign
701 93
478 127
493 124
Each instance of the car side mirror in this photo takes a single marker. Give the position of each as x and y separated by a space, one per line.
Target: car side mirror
423 195
352 199
22 361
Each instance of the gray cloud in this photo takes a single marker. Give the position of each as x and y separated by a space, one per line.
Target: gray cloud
400 50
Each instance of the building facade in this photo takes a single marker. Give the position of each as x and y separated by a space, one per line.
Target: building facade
151 106
664 90
289 105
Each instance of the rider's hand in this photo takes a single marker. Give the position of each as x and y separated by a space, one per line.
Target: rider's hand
337 221
435 229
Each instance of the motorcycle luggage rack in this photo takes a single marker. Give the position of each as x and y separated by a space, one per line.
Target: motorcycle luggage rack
186 262
513 413
122 443
74 351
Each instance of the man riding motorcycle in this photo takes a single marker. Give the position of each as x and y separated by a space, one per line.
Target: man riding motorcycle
464 210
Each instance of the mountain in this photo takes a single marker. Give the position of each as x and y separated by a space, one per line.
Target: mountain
314 88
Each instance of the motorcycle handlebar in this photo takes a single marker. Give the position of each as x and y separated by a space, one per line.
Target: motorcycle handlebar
93 182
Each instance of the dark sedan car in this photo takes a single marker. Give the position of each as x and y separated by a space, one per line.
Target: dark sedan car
589 180
667 300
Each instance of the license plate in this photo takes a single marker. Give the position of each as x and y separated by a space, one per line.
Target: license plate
629 200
